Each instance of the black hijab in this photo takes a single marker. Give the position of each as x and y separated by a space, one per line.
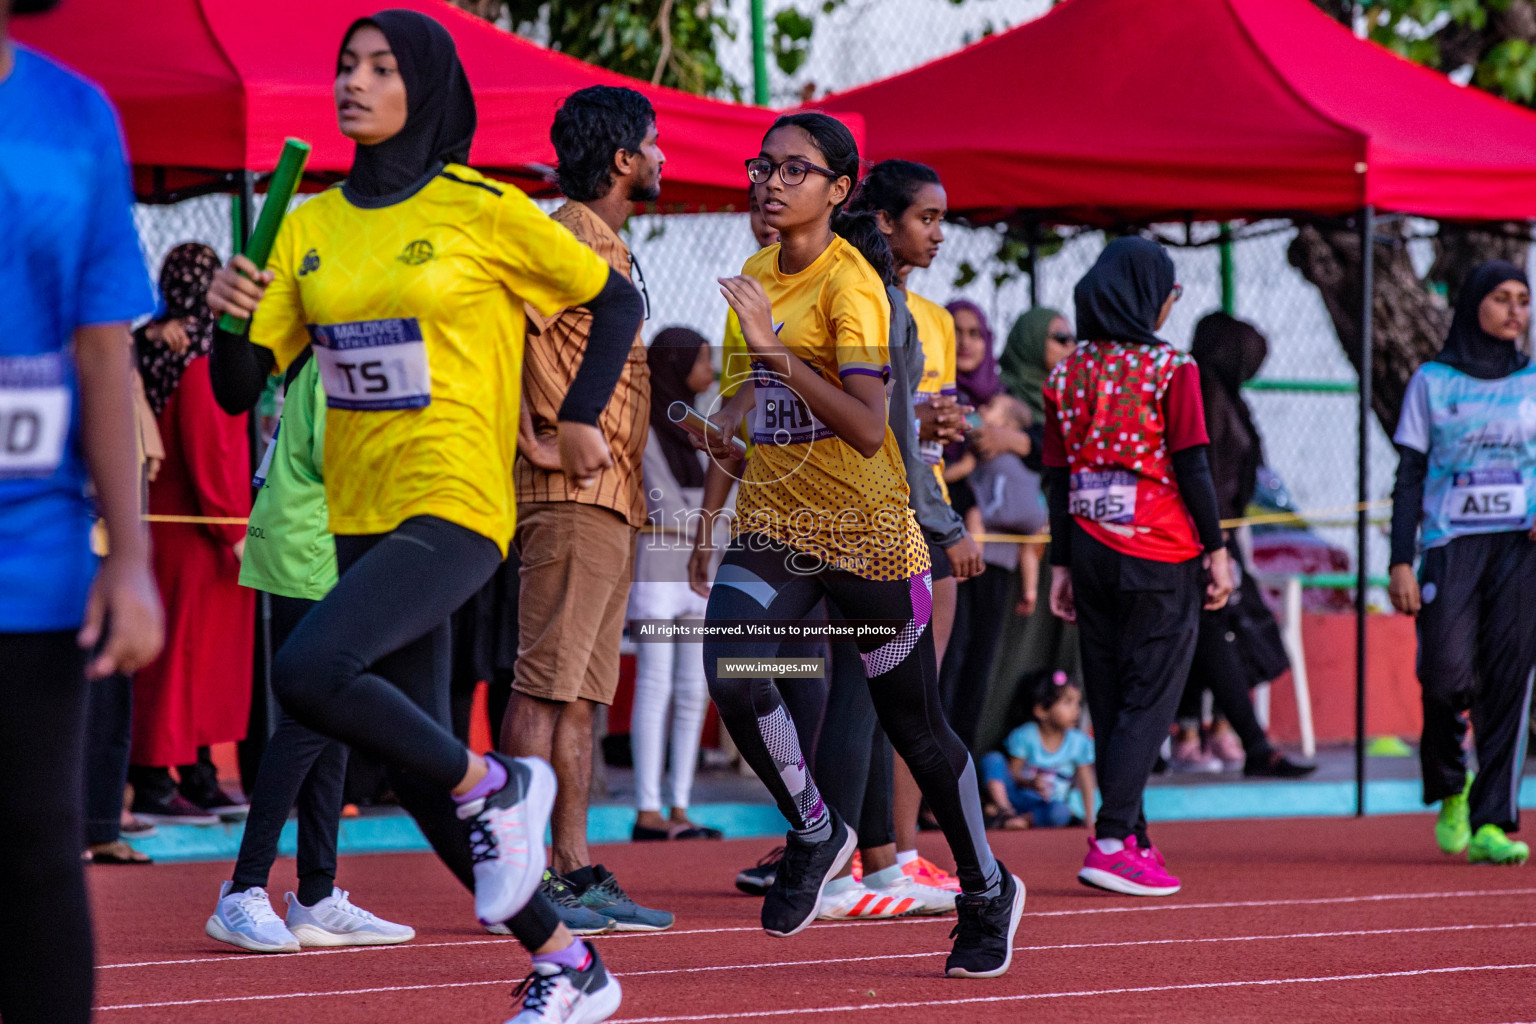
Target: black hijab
1122 293
1230 351
440 111
1468 347
671 357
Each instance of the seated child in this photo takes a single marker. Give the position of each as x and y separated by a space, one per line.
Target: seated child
1045 759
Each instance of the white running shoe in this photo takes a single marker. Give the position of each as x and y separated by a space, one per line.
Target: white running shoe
337 921
861 903
559 995
246 919
506 837
930 899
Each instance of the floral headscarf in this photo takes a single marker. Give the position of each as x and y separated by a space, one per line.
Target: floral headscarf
184 279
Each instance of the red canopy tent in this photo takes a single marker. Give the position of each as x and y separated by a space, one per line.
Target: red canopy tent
1131 110
208 88
1117 111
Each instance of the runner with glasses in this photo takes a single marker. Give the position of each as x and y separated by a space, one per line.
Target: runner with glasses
823 512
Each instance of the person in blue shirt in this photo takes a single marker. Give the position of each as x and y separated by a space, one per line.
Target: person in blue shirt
1045 758
1466 490
71 278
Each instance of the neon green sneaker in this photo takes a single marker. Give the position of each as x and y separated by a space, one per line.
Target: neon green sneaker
1492 846
1453 829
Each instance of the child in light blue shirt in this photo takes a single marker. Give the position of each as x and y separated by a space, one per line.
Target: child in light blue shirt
1045 759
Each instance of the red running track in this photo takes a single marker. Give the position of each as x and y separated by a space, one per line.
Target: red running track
1322 921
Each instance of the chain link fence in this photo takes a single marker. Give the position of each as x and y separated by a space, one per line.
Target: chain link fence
1308 428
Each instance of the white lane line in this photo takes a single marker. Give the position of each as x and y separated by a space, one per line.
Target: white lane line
1078 994
1057 947
1137 908
862 959
1082 993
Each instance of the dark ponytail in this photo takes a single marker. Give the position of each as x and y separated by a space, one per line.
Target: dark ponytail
861 230
892 185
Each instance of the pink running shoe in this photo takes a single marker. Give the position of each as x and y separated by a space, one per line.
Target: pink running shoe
1132 871
925 872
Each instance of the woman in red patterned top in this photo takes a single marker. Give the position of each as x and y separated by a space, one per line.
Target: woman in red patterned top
1134 531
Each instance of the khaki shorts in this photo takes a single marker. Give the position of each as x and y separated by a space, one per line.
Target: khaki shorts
578 561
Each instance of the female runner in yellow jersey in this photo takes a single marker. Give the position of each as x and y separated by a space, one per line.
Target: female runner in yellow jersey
822 512
409 282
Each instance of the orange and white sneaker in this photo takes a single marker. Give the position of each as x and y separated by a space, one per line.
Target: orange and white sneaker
925 872
858 865
846 900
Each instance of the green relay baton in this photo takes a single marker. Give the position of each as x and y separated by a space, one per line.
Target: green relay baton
280 190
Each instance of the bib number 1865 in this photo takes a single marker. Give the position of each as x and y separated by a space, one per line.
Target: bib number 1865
1104 496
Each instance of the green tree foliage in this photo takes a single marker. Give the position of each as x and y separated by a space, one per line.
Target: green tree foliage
667 42
1493 39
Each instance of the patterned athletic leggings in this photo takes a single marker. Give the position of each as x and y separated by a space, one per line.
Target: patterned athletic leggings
756 582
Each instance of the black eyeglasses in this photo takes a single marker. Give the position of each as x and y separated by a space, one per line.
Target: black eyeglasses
791 172
1062 337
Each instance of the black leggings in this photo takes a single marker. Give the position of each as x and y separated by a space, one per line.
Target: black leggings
758 581
982 605
299 768
369 666
45 945
855 761
1477 654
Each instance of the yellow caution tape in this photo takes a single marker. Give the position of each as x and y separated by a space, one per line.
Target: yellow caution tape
1305 515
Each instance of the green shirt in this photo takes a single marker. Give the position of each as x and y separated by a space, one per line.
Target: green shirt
288 549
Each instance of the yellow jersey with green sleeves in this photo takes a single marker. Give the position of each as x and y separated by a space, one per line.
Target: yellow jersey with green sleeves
936 331
803 485
415 312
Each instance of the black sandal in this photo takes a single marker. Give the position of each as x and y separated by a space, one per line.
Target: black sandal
117 853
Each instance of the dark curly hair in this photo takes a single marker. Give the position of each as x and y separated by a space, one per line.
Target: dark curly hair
892 185
590 127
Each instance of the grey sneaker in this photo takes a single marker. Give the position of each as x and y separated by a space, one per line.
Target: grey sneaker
606 897
581 920
337 921
246 919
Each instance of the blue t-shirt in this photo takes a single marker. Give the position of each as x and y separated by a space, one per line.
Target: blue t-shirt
1480 439
1075 751
70 258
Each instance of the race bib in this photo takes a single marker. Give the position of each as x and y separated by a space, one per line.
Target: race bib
1486 498
1106 496
373 365
34 414
782 417
260 479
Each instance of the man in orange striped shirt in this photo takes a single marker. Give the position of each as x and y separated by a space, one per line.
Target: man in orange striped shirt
577 537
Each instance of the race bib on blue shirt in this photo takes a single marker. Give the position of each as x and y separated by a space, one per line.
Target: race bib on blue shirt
34 414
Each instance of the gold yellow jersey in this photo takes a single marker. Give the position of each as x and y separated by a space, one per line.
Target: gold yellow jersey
936 331
416 315
804 486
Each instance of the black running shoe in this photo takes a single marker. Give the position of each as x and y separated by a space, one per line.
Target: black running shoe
757 880
562 995
1276 766
984 934
795 896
